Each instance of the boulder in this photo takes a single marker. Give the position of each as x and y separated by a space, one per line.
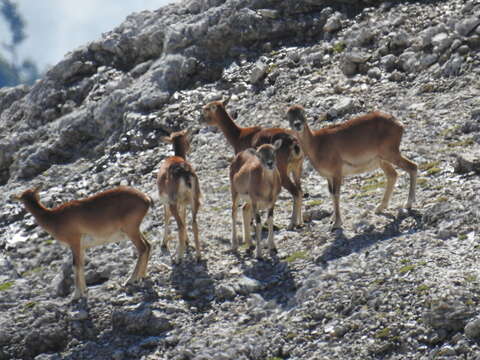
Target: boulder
467 162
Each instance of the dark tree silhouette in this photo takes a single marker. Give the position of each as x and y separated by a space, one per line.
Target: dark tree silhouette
15 72
15 22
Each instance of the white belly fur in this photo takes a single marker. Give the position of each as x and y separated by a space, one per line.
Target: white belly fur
261 204
358 168
89 241
184 195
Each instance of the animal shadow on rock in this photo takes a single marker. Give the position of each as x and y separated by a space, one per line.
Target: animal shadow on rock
275 280
145 289
193 282
344 246
249 252
82 325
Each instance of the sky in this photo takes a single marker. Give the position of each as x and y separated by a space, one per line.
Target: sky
55 27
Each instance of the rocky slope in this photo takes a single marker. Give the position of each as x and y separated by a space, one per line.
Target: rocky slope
402 285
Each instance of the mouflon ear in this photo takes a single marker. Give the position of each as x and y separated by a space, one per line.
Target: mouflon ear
225 101
277 144
166 139
37 188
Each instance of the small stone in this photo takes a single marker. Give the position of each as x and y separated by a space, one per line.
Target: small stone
467 162
78 315
362 37
463 50
225 292
150 342
259 72
246 285
472 329
441 42
348 67
357 56
333 23
453 66
140 321
389 62
118 355
344 106
466 26
449 316
375 73
473 42
428 60
446 350
268 13
408 61
399 42
470 126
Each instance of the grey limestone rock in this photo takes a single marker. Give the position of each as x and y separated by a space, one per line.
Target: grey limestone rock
225 292
466 26
472 329
447 316
334 23
259 72
467 162
140 321
247 285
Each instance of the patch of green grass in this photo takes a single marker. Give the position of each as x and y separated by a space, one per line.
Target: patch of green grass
6 285
469 302
442 199
49 241
421 289
32 271
271 68
314 202
373 186
433 171
431 167
218 208
378 281
422 182
460 143
339 46
408 266
383 334
448 131
358 195
291 335
428 165
243 246
297 255
405 269
30 305
429 87
471 278
462 237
